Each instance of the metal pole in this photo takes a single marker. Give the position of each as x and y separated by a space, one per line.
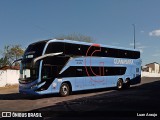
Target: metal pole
134 35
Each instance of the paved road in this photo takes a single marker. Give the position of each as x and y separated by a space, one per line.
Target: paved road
139 99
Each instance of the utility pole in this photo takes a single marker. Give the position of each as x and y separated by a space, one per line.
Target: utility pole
134 35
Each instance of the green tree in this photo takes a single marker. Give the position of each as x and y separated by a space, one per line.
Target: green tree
11 53
76 37
16 52
3 62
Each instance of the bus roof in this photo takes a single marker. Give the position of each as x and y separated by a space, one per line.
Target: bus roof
86 43
83 43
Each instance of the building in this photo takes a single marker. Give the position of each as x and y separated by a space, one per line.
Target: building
147 69
152 67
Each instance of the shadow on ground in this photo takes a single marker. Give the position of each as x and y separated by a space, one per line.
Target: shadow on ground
117 104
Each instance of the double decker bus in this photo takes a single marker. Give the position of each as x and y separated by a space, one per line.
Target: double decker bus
63 66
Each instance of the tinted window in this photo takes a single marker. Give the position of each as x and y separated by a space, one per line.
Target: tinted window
129 54
111 52
87 50
123 54
72 49
84 49
35 49
136 55
81 71
56 60
55 47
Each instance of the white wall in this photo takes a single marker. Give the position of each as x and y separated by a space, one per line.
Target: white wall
3 78
148 74
156 68
9 77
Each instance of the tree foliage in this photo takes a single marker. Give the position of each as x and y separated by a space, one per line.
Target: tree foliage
76 37
3 62
11 53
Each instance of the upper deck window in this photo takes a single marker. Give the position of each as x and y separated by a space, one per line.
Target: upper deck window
34 50
55 47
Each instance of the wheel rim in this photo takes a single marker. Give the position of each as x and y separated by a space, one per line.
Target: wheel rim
65 90
119 84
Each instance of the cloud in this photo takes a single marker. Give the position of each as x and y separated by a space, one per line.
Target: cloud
141 50
141 47
155 33
156 55
132 44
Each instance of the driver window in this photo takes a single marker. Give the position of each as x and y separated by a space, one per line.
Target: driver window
46 72
49 71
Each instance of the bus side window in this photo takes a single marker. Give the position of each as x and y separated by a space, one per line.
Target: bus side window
136 55
109 52
84 49
46 72
55 47
79 72
72 49
49 71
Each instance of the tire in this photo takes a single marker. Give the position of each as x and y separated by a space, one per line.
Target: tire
120 84
127 83
64 90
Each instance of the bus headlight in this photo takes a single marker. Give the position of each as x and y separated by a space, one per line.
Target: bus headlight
54 85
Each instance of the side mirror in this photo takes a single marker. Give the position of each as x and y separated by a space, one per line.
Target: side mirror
20 59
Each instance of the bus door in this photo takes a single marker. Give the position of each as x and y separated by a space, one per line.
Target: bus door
49 73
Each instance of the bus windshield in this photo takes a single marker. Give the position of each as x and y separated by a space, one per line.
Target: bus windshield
34 50
27 71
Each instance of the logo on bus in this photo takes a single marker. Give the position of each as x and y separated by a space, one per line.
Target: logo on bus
90 53
123 61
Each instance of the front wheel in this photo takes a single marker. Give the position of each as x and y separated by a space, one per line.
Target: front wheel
64 90
120 84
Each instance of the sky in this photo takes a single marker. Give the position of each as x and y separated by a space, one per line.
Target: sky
108 22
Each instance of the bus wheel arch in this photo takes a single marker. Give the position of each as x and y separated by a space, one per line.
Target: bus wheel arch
120 84
65 89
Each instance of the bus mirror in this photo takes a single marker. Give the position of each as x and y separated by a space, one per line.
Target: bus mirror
20 59
44 56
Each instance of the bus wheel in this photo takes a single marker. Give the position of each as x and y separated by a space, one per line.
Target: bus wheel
127 83
120 84
64 90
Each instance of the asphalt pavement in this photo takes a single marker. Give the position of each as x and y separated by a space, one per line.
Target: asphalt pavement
138 102
141 101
